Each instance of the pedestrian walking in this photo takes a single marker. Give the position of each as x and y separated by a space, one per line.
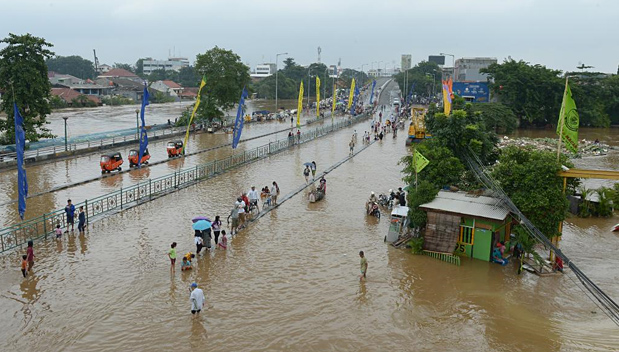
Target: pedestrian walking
351 146
30 255
24 265
199 243
196 297
81 218
223 243
216 226
58 232
313 167
70 213
298 136
306 173
274 193
172 255
240 208
234 215
364 265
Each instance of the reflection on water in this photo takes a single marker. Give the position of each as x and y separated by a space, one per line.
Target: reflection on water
289 282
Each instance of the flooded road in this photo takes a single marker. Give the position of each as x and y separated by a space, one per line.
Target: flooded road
289 282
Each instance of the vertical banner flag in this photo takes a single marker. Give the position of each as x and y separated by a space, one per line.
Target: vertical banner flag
334 102
567 129
143 136
193 113
352 92
419 161
446 98
317 97
372 95
238 124
410 93
20 145
354 103
300 105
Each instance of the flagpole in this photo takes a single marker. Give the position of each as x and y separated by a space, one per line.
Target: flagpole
562 118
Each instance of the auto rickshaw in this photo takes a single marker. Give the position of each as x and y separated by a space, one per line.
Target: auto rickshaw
134 154
111 162
175 148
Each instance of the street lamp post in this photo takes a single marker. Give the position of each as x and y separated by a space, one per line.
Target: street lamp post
137 123
65 133
277 70
453 64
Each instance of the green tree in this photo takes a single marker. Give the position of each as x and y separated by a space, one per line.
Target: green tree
530 178
423 79
72 65
533 92
82 101
127 67
23 78
496 116
444 169
188 77
226 76
139 67
161 74
424 193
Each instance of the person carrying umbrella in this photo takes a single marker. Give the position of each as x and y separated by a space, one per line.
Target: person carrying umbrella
203 226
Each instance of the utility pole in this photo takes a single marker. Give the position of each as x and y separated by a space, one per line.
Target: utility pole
276 71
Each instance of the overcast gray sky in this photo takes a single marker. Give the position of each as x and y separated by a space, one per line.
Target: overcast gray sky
555 33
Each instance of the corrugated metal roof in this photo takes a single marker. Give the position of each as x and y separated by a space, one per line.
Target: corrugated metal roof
466 204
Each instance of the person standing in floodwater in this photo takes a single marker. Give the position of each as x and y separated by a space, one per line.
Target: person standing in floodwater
306 173
364 265
172 256
216 226
313 167
30 255
196 297
70 212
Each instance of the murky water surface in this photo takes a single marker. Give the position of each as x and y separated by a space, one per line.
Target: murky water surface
289 282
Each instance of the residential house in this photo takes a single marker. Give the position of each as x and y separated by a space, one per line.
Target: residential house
171 64
117 73
167 87
127 88
466 224
68 95
62 80
103 68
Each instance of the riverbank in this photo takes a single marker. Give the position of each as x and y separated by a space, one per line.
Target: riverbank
585 147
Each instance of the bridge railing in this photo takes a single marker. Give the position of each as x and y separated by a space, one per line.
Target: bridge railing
44 225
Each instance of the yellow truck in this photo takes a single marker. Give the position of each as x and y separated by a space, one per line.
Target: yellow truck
417 130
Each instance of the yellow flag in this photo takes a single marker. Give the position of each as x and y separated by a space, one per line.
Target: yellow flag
317 97
334 101
352 92
193 113
300 106
419 161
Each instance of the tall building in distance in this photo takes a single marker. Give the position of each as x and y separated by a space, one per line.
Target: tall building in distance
264 70
406 62
467 68
171 64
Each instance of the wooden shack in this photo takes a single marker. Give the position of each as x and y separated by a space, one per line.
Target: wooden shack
465 224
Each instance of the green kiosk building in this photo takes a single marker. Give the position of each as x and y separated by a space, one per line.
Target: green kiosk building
466 224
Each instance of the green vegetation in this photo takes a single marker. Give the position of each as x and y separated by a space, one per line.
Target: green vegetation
289 79
73 65
529 177
423 79
186 77
424 193
23 79
127 67
226 77
56 102
534 93
157 97
416 245
82 101
607 197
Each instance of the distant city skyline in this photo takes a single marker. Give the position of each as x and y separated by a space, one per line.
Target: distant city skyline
557 34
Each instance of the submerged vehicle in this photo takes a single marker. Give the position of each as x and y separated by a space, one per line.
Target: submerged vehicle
175 148
110 162
135 154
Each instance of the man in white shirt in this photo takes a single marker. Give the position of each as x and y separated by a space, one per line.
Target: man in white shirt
196 298
253 197
240 207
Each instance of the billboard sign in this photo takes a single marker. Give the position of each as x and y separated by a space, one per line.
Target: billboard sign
406 62
475 92
437 59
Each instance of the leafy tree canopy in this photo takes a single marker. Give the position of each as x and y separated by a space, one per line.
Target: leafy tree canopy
23 79
423 79
127 67
226 76
72 65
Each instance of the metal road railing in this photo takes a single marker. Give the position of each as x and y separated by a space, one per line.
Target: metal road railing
5 157
43 225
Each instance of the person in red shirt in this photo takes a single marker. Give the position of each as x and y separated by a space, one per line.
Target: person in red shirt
30 255
246 201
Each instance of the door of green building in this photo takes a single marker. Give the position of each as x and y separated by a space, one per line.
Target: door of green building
482 245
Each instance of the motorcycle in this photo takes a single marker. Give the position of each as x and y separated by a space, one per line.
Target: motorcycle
373 210
385 201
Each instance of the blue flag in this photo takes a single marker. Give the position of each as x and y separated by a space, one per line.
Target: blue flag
354 101
238 124
20 144
143 136
372 95
410 93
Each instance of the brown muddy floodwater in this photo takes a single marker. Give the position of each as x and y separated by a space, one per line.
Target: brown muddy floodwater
289 282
